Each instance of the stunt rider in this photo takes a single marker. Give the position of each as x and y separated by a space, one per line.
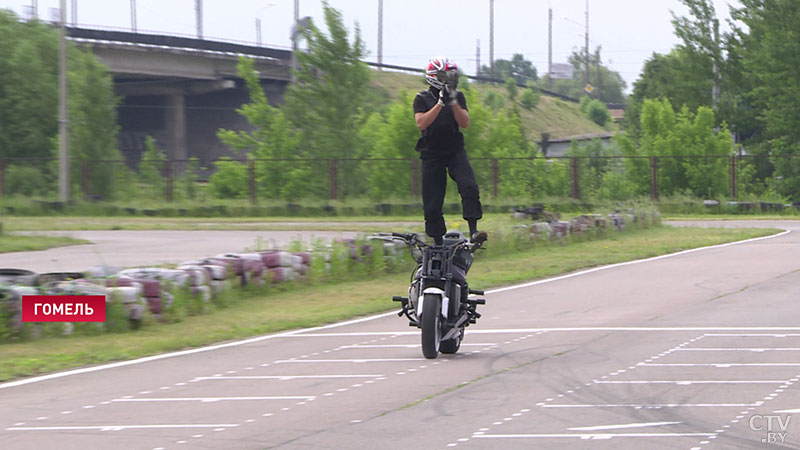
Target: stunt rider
440 113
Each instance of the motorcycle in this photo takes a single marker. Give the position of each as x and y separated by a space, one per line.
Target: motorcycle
439 301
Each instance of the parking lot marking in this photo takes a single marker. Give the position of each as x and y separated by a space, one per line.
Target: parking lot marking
740 349
627 425
211 399
587 436
122 427
284 361
690 382
718 365
286 377
661 405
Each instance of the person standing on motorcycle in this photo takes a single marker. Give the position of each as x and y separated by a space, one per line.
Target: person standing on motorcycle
440 113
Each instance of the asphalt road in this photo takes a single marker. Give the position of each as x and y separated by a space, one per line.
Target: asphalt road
127 248
698 350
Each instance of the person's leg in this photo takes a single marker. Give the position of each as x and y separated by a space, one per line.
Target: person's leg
434 184
461 172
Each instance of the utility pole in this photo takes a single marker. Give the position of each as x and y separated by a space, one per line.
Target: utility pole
258 31
586 48
715 56
133 15
63 129
478 57
380 34
491 38
198 7
35 9
550 48
295 31
74 12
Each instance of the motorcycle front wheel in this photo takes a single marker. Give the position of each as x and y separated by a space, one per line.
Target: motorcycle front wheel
431 326
451 346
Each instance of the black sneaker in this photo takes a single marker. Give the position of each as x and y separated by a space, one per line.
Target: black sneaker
479 237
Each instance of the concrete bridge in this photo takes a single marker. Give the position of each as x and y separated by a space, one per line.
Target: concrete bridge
180 90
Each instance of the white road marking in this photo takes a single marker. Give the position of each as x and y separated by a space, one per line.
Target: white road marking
348 360
752 335
547 330
122 427
211 399
285 377
719 365
689 382
664 405
387 314
588 436
788 411
627 425
741 349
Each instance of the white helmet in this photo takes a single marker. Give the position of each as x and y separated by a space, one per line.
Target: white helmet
441 71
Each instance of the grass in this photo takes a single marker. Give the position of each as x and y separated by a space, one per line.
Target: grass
16 243
310 305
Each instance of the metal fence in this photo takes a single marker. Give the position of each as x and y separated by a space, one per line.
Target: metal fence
336 179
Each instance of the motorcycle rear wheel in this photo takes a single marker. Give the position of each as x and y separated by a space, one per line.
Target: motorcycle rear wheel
431 326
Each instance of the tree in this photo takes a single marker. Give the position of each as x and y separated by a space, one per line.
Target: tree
769 48
518 68
326 103
609 85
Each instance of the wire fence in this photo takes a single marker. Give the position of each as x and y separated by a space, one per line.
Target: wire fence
612 177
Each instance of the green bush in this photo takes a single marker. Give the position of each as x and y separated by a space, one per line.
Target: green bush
530 98
598 112
27 181
230 179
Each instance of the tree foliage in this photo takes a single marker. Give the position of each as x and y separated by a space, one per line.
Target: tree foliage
518 68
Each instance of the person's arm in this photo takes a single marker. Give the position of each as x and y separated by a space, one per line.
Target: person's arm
461 115
424 120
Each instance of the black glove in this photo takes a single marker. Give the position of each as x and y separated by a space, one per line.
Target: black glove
452 96
443 96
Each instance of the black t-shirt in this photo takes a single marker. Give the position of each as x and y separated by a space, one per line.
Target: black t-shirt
443 135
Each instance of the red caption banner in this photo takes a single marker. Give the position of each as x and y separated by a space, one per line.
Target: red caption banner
63 308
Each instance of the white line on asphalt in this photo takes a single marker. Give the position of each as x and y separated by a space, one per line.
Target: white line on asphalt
545 330
367 319
619 427
285 377
587 436
688 382
751 335
284 361
788 411
664 405
123 427
211 399
740 349
719 365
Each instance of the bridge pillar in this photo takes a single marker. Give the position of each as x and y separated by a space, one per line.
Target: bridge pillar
176 127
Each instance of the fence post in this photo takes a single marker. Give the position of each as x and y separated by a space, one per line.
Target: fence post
2 177
251 181
333 163
168 169
733 177
495 177
576 192
415 177
654 178
85 178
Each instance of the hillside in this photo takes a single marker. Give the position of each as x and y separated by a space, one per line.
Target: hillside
558 117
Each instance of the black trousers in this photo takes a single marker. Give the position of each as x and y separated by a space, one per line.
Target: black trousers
434 185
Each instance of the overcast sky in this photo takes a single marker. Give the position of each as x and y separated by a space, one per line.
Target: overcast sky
629 31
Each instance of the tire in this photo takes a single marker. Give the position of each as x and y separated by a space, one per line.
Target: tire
451 346
431 326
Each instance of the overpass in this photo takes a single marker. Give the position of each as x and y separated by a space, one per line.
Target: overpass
180 90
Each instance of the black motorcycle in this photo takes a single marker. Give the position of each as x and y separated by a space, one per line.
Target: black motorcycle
438 299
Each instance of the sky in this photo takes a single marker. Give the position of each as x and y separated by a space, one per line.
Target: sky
629 31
